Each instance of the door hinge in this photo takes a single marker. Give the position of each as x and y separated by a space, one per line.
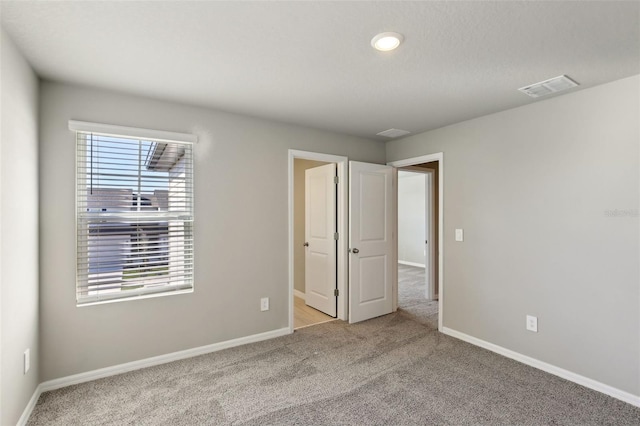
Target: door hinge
336 292
336 180
336 236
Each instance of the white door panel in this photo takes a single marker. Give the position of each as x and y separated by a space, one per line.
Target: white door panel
372 273
320 228
371 196
371 240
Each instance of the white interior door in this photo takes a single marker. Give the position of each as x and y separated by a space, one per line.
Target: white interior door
320 229
370 240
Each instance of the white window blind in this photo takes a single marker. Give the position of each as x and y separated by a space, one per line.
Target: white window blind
134 216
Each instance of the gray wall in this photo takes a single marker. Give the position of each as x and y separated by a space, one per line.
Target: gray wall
299 167
412 216
533 188
19 232
240 231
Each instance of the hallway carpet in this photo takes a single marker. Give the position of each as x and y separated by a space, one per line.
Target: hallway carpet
412 296
392 370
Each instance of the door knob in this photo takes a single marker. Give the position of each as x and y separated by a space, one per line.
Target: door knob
355 250
306 244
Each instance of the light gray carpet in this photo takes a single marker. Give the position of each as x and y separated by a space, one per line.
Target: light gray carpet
395 369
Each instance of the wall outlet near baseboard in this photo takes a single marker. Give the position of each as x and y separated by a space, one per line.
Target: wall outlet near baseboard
532 323
264 304
27 360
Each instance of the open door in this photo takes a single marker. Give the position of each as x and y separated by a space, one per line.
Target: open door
371 240
320 242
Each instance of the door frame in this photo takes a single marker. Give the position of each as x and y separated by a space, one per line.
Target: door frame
342 250
439 157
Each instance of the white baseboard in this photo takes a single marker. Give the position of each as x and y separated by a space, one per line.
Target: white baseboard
157 360
30 406
143 363
419 265
188 353
549 368
298 293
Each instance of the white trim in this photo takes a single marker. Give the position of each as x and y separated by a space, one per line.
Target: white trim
30 406
342 164
439 157
113 130
298 293
142 363
549 368
157 360
418 265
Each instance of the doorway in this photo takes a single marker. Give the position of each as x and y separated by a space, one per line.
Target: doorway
300 314
419 281
315 259
366 219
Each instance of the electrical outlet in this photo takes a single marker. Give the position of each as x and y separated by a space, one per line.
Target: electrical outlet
532 323
459 235
27 361
264 304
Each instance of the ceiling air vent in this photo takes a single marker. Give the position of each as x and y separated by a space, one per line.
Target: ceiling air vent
393 133
547 87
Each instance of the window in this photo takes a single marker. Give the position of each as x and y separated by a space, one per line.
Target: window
134 212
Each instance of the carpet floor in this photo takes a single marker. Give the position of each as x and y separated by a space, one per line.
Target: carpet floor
412 296
392 370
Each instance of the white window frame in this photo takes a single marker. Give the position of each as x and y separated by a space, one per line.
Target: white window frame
99 129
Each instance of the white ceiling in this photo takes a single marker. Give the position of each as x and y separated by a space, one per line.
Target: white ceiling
311 62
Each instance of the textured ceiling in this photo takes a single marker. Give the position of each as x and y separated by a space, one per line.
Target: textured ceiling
311 63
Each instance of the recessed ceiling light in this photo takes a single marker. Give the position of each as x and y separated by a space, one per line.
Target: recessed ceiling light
387 41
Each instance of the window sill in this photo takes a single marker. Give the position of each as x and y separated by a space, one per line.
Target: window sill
132 298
